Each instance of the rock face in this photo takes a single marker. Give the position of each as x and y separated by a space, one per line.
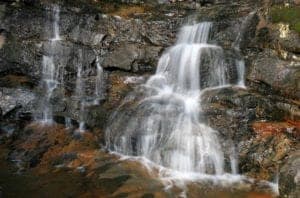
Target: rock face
126 38
263 120
130 57
12 99
290 173
281 75
87 36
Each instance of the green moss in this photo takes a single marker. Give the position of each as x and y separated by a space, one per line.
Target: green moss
297 26
290 15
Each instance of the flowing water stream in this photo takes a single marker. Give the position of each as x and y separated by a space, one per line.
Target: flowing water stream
167 127
165 130
52 73
53 76
240 63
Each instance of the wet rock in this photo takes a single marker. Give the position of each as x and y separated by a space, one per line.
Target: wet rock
112 184
239 107
18 22
263 154
81 169
262 146
103 173
118 89
131 57
14 99
289 176
130 44
96 117
15 81
64 158
278 74
85 32
122 58
44 147
275 128
290 42
8 129
22 57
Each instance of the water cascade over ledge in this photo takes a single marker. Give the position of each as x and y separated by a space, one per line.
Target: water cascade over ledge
89 77
52 73
167 126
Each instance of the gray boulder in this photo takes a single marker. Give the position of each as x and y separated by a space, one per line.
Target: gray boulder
13 99
280 75
130 57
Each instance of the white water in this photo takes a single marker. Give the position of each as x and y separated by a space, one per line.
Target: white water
56 17
80 92
99 78
84 98
52 75
166 127
68 123
165 132
195 33
79 81
50 85
240 63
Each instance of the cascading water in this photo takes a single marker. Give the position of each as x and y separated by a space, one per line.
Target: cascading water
240 66
52 74
240 63
56 17
99 81
166 126
82 95
79 92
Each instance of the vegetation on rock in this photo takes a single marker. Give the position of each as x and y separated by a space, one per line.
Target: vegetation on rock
290 15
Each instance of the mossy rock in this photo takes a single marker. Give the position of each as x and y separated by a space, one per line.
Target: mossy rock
290 15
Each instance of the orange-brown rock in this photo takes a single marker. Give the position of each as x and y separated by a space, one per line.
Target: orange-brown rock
275 128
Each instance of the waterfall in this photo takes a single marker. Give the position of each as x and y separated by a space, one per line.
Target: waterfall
79 81
240 66
99 78
56 17
99 81
240 63
68 123
50 85
82 95
166 126
52 74
80 92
